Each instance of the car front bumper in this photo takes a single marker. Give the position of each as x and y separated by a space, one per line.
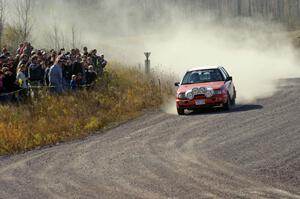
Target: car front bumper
216 100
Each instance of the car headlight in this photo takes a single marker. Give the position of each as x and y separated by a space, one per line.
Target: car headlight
209 92
189 95
181 95
218 92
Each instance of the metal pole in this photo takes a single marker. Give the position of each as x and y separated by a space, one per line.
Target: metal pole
147 62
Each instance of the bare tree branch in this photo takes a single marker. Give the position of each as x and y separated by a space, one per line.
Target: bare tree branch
24 23
2 19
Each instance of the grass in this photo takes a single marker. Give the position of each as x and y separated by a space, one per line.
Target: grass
122 94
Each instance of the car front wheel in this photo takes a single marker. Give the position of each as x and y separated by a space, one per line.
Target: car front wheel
230 104
180 111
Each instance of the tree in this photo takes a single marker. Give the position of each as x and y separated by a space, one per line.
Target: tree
73 42
2 19
54 37
10 37
57 39
75 37
24 20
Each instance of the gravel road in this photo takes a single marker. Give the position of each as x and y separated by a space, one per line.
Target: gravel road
251 152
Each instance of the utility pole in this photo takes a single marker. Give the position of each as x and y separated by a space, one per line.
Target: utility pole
147 62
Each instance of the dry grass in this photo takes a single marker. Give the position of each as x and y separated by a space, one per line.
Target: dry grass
119 96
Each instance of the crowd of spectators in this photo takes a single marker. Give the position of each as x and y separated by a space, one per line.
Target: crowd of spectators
58 70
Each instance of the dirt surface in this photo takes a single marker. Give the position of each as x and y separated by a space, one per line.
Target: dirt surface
251 152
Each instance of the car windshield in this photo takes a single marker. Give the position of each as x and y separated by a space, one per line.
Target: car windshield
202 76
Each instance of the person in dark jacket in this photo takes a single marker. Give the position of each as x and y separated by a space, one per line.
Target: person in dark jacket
9 81
46 76
80 81
85 51
1 81
101 64
91 75
67 71
35 72
77 66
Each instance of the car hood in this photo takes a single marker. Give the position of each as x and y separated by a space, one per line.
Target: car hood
213 85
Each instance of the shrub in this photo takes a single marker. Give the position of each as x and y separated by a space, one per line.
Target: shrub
119 96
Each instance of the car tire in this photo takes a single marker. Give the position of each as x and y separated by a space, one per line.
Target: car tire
230 104
180 111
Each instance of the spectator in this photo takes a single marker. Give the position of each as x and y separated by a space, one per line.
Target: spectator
85 68
91 75
5 52
77 66
46 76
2 60
101 64
24 59
53 57
21 78
12 68
73 83
77 52
80 81
58 69
85 51
20 50
56 75
27 49
67 70
9 81
35 72
102 61
61 51
1 81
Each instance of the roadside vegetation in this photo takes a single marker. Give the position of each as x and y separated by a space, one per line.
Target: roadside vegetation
120 95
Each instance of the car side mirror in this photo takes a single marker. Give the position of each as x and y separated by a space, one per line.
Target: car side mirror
177 84
229 79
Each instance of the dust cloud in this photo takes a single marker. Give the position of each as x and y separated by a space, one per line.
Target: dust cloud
256 57
254 52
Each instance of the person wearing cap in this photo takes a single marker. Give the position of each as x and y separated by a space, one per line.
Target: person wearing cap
56 76
35 72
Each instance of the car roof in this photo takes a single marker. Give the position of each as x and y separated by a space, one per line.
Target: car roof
204 68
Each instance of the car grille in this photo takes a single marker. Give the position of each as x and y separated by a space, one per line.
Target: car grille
199 96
